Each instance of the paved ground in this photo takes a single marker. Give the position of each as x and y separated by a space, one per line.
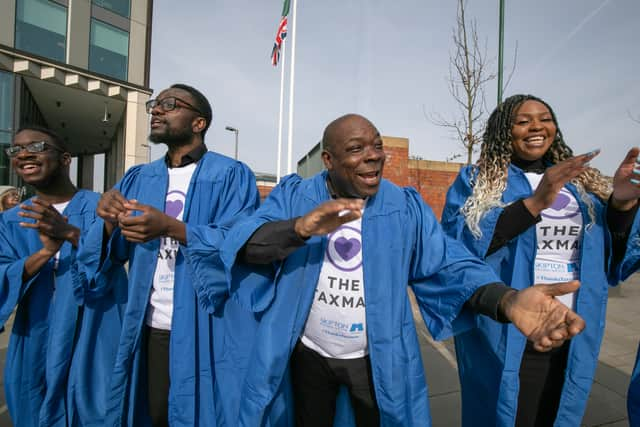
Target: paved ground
608 395
4 341
607 402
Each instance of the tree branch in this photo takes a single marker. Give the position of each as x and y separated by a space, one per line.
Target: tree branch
468 74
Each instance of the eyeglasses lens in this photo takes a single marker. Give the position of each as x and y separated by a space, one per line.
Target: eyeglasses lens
166 104
34 147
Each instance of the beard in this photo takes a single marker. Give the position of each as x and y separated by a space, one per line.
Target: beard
172 137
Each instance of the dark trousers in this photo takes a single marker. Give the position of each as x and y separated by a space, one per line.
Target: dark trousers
158 376
541 380
316 381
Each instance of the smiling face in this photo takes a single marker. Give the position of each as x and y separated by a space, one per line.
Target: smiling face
353 156
178 126
39 169
533 130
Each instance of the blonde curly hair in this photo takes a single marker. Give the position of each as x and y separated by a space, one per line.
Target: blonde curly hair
489 174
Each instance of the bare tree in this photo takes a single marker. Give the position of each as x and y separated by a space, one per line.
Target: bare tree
468 73
632 117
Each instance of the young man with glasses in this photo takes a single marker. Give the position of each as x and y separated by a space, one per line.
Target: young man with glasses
184 345
62 343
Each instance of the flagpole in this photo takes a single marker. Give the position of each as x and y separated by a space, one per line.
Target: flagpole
291 81
282 56
500 50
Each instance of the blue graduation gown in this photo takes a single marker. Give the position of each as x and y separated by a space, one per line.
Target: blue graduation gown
210 335
629 265
490 354
61 345
402 245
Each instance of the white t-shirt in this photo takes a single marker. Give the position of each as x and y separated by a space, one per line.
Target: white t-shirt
160 308
336 326
558 236
60 207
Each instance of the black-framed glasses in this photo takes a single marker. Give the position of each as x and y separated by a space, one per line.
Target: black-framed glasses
32 147
169 104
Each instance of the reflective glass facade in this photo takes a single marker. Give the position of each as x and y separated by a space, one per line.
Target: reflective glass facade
41 28
121 7
108 50
6 122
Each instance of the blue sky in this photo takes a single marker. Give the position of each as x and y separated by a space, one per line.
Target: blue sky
389 61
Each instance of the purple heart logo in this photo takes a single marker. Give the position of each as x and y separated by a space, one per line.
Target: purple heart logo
347 249
561 202
173 208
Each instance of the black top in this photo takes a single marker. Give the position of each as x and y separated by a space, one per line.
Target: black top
192 156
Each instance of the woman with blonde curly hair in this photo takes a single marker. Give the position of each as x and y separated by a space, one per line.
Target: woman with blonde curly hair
537 214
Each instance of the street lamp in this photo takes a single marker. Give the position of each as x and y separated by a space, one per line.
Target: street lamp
236 131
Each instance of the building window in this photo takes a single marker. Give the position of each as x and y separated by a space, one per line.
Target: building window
108 50
6 122
121 7
41 28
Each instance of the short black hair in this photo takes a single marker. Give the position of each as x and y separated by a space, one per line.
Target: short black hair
202 104
55 137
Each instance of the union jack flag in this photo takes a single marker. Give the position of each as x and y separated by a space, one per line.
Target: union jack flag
280 35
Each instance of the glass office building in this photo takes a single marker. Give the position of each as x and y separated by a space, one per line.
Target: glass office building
81 69
41 28
108 50
6 121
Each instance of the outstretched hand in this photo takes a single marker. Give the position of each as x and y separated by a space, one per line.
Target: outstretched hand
554 179
626 182
542 318
328 216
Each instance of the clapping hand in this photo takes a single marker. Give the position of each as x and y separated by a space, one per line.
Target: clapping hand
626 182
52 226
554 179
110 207
328 216
149 224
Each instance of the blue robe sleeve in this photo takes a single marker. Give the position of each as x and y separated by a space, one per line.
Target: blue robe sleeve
12 288
258 291
238 198
443 274
453 221
96 266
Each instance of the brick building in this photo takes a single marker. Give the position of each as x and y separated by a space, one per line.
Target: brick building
265 183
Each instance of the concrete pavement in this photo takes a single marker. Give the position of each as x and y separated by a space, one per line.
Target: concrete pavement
5 420
607 402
